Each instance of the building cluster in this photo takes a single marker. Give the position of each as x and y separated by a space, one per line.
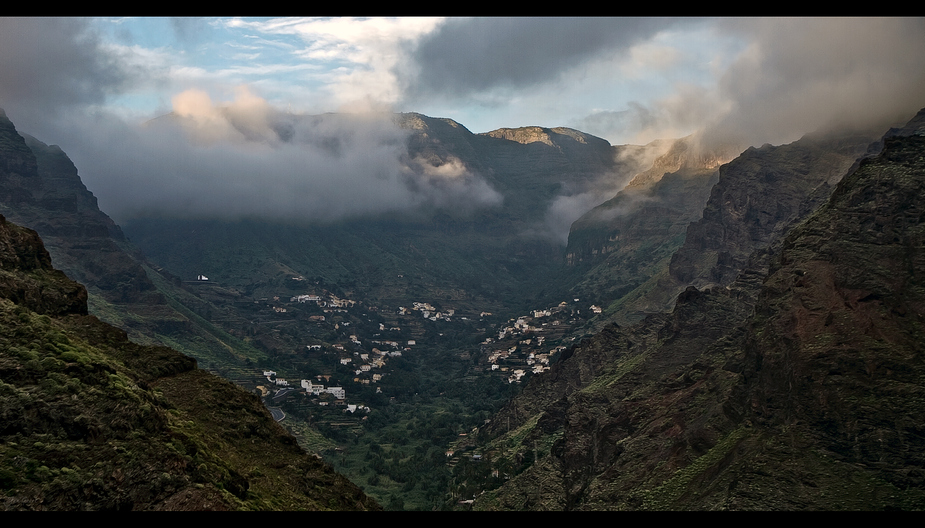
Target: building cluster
523 348
311 387
330 303
427 311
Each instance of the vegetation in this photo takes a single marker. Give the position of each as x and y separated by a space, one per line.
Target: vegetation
90 420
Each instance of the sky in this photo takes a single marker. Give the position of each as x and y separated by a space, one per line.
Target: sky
93 85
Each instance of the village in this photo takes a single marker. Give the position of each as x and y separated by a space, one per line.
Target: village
363 345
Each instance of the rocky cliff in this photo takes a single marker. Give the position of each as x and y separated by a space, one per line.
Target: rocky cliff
798 391
756 197
622 243
40 188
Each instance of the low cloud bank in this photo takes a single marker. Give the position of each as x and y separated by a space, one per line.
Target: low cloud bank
248 159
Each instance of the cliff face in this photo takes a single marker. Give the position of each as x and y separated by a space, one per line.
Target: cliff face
40 188
620 244
92 421
758 195
699 218
835 347
797 385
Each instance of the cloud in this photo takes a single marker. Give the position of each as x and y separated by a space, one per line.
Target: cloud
467 56
799 75
246 158
576 201
50 63
359 54
743 80
792 76
637 120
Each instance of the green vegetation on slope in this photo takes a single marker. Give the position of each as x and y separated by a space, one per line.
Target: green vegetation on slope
92 421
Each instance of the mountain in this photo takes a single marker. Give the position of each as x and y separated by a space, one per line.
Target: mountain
792 384
765 353
93 421
619 245
491 258
40 188
699 225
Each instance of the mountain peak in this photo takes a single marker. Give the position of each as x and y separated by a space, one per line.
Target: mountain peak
548 136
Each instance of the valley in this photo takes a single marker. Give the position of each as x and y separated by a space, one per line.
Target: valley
385 385
471 358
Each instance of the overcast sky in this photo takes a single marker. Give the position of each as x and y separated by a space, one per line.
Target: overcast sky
89 84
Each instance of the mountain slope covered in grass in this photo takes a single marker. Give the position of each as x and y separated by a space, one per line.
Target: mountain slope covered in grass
92 421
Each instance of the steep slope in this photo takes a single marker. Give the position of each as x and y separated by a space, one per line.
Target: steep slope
799 392
92 421
835 348
40 188
757 196
622 243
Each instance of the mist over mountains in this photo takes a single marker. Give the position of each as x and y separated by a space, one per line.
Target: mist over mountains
769 81
724 305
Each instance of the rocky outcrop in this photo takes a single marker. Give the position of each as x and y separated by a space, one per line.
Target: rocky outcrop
27 277
758 195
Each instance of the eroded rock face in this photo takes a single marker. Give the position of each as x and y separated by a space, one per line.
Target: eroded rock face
685 222
796 386
836 344
40 188
758 195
